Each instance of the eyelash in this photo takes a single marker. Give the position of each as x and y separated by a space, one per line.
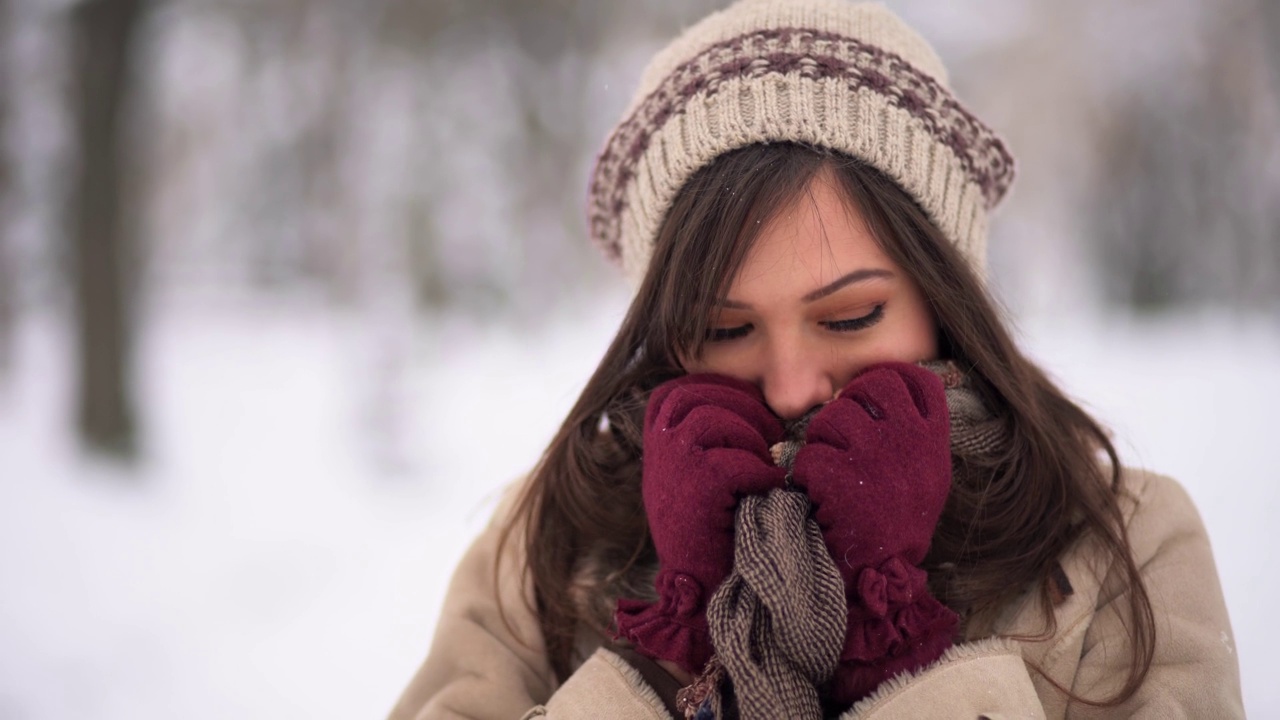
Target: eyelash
850 325
726 334
858 323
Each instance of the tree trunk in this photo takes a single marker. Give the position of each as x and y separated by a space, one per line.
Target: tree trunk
101 34
8 294
1270 31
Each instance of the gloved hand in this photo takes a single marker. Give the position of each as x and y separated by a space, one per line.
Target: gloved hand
876 464
706 444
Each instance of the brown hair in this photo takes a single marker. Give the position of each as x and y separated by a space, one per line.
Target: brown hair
584 523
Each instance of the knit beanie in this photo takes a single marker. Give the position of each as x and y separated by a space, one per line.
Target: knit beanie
850 77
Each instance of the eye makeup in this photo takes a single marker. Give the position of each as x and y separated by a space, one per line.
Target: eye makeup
857 323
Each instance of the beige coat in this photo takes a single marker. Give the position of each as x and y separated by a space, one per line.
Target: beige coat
481 667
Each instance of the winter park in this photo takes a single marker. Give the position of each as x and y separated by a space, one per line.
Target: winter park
291 292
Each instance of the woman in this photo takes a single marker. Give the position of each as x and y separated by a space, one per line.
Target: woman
813 474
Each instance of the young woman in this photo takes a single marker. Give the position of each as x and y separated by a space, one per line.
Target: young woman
813 475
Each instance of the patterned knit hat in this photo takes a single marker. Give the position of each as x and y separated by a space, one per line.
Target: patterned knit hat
831 73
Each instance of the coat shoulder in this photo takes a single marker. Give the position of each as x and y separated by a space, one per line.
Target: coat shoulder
1158 511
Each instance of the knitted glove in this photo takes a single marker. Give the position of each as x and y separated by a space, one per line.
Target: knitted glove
706 444
876 465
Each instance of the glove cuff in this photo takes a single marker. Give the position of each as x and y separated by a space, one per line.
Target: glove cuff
674 628
894 626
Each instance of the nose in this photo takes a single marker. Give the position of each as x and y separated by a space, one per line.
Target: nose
797 378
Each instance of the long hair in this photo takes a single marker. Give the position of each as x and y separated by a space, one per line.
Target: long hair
998 535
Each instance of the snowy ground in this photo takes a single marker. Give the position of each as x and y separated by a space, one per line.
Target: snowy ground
274 558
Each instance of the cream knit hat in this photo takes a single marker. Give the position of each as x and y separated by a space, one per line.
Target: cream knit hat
847 76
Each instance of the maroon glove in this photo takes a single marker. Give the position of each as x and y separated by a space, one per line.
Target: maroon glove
706 444
877 466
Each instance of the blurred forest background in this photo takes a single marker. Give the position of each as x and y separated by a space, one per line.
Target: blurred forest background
266 265
404 159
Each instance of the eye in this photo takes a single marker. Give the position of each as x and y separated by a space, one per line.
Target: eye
858 323
723 334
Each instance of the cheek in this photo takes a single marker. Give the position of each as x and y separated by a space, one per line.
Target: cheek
707 363
920 341
910 341
915 337
721 361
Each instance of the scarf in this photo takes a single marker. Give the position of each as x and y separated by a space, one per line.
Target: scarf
778 621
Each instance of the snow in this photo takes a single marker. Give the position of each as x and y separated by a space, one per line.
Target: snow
265 560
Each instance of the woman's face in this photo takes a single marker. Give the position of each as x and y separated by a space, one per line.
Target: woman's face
815 301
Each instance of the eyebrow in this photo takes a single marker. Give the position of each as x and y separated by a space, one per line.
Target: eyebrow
854 277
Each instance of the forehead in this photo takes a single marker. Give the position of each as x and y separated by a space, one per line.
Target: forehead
817 237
